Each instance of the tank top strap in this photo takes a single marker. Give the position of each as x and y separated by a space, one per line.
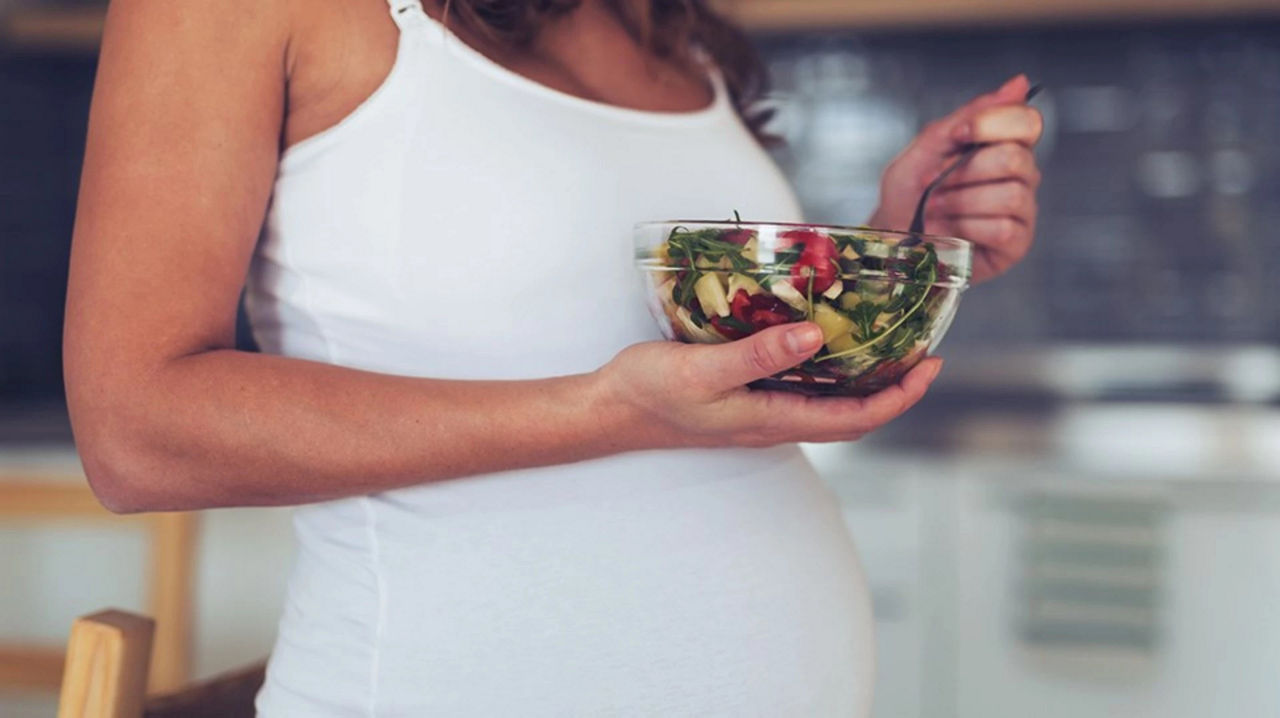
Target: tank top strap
407 13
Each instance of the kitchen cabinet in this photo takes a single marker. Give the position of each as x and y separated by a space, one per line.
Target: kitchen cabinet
1096 560
79 27
73 28
766 15
1206 642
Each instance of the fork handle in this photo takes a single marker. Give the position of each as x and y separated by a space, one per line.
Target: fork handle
917 222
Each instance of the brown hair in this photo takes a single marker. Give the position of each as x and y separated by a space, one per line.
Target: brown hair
669 29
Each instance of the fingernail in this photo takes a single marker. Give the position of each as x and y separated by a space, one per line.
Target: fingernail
804 339
1008 83
963 132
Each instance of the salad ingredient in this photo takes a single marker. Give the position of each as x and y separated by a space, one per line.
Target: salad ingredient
740 237
841 343
816 268
744 283
873 288
834 324
789 294
764 310
813 273
695 332
730 329
808 241
711 295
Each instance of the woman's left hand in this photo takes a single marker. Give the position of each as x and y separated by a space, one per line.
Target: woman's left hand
991 201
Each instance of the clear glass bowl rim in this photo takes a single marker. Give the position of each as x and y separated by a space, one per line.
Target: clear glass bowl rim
964 248
938 240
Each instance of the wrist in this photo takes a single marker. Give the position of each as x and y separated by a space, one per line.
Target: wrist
618 421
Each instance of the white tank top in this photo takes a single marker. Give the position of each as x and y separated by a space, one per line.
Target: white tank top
466 222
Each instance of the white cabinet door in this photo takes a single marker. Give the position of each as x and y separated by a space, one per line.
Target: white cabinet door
1214 614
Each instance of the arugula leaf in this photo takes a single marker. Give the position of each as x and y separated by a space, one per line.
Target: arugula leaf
864 317
858 244
733 322
684 288
698 316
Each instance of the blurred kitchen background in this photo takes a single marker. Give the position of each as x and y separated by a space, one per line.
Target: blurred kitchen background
1082 520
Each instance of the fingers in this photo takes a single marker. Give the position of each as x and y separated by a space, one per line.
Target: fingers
1005 123
1013 91
795 418
846 419
997 217
725 367
1005 161
944 136
1012 199
1004 241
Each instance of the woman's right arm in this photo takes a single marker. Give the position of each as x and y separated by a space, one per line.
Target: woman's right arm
183 142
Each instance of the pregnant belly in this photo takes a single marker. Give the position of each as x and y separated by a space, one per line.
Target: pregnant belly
740 596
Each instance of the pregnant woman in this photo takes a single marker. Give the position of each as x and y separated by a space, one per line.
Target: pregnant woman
517 503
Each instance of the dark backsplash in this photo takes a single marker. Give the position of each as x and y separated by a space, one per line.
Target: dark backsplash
1161 159
44 102
1160 201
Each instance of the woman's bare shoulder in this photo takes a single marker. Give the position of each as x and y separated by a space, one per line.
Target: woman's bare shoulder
208 30
324 56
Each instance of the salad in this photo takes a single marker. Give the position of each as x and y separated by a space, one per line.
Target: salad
882 303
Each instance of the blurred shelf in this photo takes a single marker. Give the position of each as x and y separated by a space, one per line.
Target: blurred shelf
57 29
78 28
779 15
31 667
36 424
1243 374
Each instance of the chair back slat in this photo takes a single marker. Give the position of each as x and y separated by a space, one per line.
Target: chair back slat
107 663
171 541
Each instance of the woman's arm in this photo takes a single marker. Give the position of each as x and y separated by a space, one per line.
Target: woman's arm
182 149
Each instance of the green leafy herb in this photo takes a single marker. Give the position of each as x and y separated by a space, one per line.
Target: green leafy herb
734 323
698 316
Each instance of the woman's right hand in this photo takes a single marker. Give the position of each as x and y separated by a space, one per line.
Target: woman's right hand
695 395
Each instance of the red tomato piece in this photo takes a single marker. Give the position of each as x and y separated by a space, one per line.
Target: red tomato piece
767 310
769 302
817 259
740 305
810 242
764 318
822 269
737 236
794 237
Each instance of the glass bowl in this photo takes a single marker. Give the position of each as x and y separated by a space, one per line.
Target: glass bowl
883 303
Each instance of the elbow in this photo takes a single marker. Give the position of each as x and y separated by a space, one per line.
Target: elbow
124 472
114 494
113 421
115 444
115 476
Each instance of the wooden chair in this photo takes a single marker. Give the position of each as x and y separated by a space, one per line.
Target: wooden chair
108 656
171 539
